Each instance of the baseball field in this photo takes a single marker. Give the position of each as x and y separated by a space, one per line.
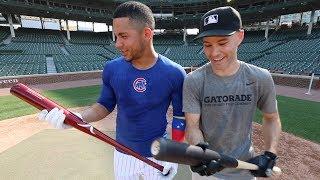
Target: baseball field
28 144
299 117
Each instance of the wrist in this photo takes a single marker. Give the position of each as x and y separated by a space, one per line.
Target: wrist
271 155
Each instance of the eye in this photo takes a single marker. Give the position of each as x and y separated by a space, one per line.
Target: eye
207 45
223 43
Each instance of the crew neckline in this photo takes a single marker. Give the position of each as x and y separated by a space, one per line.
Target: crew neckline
149 68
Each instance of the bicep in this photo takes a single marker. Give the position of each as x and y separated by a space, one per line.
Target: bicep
267 102
176 99
191 97
107 96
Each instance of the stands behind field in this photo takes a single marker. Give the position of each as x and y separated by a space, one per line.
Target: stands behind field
287 50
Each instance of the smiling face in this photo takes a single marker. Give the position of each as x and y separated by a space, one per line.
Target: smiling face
221 51
131 39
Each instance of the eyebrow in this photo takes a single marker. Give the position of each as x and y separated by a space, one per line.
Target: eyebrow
122 33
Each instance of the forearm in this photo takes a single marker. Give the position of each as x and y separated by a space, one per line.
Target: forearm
271 132
193 133
95 113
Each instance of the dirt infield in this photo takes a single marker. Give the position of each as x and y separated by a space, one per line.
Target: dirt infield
298 158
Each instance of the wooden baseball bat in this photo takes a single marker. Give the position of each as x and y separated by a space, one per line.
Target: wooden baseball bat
40 102
182 153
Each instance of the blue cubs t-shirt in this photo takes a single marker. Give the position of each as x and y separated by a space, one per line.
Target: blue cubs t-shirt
142 98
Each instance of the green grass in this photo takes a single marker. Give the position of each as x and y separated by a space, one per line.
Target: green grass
298 117
11 106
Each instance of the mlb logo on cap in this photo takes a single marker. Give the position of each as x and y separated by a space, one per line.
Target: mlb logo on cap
211 19
221 21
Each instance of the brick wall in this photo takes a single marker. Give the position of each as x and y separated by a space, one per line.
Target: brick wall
7 82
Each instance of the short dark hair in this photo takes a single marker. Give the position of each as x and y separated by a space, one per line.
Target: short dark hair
136 11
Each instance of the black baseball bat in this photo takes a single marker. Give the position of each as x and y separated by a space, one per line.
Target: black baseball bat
182 153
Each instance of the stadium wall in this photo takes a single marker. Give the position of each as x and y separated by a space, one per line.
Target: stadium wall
296 80
8 81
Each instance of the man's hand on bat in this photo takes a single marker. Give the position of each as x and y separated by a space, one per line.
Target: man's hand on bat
55 117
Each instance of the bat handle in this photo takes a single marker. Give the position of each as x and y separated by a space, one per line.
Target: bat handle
245 165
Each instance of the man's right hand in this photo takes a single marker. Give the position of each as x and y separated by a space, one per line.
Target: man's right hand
206 168
55 117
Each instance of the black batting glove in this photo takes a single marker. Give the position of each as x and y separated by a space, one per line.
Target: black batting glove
265 162
206 168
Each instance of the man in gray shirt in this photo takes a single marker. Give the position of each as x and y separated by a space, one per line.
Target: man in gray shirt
221 97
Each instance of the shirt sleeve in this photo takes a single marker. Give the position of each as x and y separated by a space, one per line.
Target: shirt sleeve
191 96
107 96
267 102
176 96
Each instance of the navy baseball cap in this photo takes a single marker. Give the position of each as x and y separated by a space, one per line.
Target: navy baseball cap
221 21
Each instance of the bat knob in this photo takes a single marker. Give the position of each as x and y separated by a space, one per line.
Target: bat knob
155 148
268 172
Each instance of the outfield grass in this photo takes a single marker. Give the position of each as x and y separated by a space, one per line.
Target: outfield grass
11 106
299 117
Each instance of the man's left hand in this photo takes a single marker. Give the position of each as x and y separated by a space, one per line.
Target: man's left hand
265 162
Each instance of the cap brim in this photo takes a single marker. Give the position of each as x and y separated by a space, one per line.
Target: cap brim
215 33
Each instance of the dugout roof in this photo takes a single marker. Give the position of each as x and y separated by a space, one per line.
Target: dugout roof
186 13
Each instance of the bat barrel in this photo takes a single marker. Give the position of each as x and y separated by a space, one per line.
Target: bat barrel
167 150
171 151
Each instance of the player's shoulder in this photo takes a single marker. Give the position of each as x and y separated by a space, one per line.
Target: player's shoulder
256 71
199 73
114 63
168 62
171 66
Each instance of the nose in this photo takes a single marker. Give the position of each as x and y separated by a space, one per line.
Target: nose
214 52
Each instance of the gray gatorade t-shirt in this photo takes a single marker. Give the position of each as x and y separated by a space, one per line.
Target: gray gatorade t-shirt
227 106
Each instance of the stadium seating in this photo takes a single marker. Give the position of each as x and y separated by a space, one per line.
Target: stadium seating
286 51
82 37
86 49
254 36
257 46
39 36
12 65
73 63
33 48
168 40
186 56
113 52
4 32
289 62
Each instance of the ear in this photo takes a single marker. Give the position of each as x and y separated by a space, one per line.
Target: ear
148 33
240 36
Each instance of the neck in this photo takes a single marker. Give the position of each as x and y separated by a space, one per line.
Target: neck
229 71
147 60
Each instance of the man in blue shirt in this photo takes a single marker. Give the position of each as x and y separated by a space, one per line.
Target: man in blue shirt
142 83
